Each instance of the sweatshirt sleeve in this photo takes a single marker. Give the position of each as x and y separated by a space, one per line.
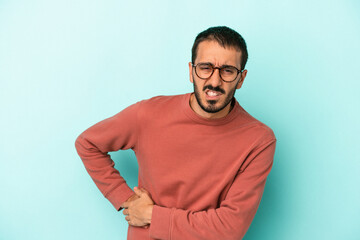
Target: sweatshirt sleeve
235 214
111 134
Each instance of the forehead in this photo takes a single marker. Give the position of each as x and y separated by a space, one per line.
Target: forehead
213 52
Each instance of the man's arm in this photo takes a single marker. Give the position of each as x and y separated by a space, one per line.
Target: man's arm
93 145
235 214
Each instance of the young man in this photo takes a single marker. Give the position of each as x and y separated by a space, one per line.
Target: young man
203 160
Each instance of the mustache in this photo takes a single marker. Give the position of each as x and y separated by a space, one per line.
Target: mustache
217 89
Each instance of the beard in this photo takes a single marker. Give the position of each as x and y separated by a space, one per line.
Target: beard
210 106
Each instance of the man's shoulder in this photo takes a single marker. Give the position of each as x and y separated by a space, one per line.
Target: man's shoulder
255 126
264 130
163 100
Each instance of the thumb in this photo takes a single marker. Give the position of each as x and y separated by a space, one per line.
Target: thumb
144 190
137 191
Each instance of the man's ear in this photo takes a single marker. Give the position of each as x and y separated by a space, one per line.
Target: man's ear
190 72
242 78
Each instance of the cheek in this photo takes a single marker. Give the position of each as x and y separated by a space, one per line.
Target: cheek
198 84
231 89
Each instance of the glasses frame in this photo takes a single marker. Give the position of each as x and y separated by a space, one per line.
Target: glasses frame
213 70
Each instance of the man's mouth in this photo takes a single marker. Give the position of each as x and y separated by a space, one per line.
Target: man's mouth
212 93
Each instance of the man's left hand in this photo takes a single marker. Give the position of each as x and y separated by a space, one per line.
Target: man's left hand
138 212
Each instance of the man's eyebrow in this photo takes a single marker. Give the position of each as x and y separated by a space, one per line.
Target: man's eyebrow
207 63
226 65
222 66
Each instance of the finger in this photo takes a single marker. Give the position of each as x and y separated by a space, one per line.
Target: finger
125 212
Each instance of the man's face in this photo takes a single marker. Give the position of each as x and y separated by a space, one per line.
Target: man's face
213 96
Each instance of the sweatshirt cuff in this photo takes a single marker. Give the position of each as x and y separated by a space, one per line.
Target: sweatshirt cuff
161 222
119 195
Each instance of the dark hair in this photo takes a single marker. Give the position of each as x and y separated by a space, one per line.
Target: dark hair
226 37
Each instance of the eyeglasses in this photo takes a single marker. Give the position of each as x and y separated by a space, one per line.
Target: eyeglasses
206 70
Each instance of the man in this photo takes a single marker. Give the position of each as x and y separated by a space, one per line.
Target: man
203 160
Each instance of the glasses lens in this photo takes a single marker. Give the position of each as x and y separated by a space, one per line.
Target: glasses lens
228 73
204 70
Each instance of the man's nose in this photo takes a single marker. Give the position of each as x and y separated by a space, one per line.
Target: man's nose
215 79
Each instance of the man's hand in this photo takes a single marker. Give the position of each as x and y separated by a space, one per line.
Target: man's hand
132 198
138 208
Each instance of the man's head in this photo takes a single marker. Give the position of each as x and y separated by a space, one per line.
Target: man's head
214 48
225 37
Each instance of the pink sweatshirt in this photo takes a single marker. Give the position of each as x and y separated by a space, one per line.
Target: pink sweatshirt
206 177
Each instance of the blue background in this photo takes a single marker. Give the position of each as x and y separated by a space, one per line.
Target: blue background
66 65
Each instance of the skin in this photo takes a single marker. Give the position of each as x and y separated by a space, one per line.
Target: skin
138 208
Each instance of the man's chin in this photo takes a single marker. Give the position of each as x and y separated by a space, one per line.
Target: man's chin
211 103
212 106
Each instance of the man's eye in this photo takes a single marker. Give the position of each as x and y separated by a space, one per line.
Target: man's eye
205 67
228 70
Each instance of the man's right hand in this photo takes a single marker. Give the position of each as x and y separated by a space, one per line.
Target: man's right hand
133 198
